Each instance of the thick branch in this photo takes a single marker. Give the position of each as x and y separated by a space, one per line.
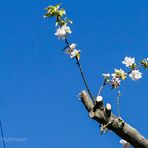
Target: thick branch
116 124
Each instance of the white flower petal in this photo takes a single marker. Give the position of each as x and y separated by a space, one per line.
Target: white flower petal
73 46
62 32
106 75
74 53
128 61
135 75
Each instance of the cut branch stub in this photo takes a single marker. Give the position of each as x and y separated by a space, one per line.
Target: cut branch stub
108 110
99 103
104 116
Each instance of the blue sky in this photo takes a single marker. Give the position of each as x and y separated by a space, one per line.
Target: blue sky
40 85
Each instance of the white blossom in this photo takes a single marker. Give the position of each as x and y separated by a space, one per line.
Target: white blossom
128 61
115 82
63 31
70 50
119 73
73 46
74 53
135 75
114 75
124 143
106 75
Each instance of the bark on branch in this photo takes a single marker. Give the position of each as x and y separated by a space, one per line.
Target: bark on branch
104 116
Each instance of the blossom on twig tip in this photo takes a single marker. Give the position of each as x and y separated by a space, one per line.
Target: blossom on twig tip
128 61
135 75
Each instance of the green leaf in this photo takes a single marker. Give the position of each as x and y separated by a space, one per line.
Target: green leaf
61 12
47 15
58 5
144 63
69 21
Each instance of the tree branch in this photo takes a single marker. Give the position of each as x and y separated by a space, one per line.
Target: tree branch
116 124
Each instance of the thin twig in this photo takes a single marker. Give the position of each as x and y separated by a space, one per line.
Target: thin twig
101 88
118 102
84 79
67 42
134 68
82 74
81 71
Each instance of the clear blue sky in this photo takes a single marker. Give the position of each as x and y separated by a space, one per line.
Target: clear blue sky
39 85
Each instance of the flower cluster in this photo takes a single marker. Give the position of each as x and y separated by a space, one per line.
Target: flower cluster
117 76
72 51
115 79
119 73
63 30
115 82
134 73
